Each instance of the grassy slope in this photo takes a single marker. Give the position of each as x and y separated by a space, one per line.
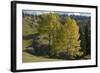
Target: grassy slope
31 58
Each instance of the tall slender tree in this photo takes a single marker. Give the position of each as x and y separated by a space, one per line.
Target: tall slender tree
73 42
49 24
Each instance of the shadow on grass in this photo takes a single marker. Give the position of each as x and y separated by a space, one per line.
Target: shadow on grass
44 52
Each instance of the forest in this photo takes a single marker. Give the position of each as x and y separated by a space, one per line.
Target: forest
52 36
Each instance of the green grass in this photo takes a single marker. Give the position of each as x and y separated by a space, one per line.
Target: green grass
26 43
31 58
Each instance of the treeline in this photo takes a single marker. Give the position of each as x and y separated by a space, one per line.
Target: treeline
56 39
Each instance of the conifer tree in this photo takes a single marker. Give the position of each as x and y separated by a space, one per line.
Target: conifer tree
48 25
73 42
60 44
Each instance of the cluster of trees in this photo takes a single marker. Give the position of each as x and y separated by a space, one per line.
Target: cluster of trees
84 23
48 33
63 39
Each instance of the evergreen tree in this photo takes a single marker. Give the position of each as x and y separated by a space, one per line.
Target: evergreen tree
88 38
